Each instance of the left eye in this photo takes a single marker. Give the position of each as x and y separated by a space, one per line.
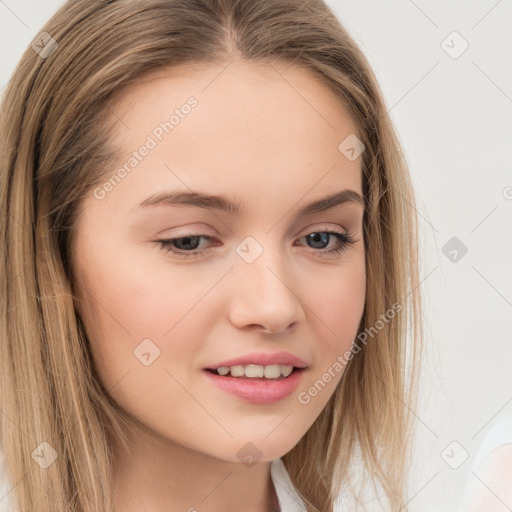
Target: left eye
190 243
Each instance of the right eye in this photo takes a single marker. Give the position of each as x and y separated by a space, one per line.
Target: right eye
190 241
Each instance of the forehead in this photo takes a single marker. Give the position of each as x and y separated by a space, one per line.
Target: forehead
255 127
257 98
214 80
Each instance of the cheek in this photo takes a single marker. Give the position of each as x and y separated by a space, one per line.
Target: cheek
337 305
144 335
332 356
123 305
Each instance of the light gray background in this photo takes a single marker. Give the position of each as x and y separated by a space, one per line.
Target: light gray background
454 119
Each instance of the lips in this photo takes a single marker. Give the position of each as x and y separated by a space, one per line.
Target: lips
263 359
257 391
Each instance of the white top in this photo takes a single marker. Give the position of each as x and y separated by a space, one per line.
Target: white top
288 498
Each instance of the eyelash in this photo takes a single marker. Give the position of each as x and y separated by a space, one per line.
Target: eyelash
346 240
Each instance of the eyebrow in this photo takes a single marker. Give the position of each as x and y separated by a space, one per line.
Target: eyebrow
202 200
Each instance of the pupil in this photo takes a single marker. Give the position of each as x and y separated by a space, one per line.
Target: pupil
185 241
316 236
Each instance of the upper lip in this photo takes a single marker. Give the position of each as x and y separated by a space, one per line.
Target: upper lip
263 359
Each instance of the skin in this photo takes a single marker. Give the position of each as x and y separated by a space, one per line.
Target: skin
267 135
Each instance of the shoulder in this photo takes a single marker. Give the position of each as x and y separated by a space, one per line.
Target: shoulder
489 486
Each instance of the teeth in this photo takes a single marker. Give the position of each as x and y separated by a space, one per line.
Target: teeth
236 371
254 370
286 370
271 371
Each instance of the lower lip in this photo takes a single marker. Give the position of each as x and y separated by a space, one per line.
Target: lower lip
255 390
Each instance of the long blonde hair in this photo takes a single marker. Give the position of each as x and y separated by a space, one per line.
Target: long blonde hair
54 125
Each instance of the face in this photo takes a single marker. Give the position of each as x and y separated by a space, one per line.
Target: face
172 287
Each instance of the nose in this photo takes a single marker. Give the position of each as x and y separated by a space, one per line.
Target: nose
264 296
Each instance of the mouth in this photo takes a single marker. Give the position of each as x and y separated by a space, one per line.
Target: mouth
255 371
256 384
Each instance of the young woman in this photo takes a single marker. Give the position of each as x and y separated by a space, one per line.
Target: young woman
210 296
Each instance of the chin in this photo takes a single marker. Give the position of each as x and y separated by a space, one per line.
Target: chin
263 446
